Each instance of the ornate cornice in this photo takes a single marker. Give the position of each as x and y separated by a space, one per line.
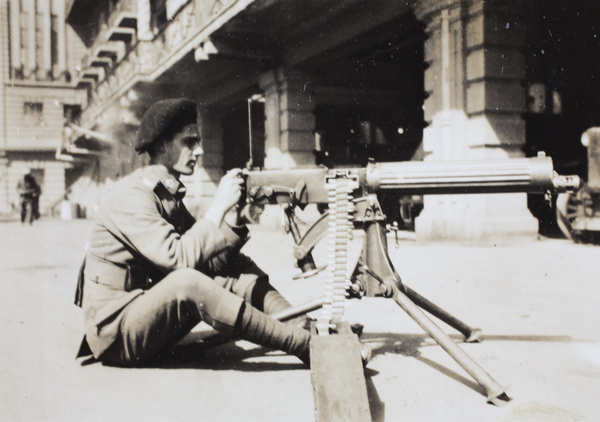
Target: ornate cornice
147 60
425 10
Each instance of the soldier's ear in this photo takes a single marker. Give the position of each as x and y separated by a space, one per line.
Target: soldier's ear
156 149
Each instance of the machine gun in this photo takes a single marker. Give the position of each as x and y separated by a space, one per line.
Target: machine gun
351 197
302 186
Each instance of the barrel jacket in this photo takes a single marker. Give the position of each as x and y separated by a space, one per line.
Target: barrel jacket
142 232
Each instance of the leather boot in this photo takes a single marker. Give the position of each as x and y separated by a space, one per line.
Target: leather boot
269 300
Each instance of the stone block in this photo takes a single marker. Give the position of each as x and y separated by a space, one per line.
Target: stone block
431 46
496 130
301 158
298 120
505 96
433 76
501 29
212 145
431 106
496 63
495 96
476 218
476 64
475 31
296 102
476 97
211 159
445 138
297 141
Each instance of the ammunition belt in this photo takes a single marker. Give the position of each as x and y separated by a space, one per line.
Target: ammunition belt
340 207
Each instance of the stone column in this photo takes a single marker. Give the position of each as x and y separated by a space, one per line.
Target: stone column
474 112
31 41
4 77
46 65
290 121
145 48
58 9
15 35
203 184
4 69
54 184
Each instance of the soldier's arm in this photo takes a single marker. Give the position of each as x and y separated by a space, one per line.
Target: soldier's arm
132 216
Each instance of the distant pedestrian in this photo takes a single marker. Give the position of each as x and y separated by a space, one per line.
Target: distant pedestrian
29 194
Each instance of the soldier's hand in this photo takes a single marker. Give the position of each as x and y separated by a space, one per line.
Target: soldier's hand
230 189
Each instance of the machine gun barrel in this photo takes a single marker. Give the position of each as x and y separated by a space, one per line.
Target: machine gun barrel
460 177
308 185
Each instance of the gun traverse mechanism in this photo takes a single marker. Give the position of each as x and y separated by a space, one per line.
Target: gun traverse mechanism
351 198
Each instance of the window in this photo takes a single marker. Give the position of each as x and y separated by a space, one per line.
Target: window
33 114
71 112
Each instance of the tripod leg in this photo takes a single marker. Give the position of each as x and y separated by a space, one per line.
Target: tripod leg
471 334
299 310
495 392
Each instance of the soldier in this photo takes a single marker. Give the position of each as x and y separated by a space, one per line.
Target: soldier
152 271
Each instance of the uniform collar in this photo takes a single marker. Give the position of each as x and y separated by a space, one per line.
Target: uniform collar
156 175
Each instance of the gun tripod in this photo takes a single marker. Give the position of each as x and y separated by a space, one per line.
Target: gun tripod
375 275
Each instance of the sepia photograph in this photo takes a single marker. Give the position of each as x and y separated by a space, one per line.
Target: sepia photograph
300 210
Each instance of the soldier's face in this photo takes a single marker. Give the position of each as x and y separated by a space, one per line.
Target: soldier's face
183 151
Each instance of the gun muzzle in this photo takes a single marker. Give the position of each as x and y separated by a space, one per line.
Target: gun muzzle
566 183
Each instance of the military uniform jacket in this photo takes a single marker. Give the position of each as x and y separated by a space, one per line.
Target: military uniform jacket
143 232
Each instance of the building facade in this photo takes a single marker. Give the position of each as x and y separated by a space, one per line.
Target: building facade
38 58
340 81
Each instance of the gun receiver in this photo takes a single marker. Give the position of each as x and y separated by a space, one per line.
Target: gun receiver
308 185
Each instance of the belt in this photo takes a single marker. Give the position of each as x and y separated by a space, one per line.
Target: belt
117 276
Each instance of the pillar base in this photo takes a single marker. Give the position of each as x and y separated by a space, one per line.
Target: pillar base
476 218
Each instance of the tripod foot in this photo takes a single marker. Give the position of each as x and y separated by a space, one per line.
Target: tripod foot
499 400
357 329
475 336
494 391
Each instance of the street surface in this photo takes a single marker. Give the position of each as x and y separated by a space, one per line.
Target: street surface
537 303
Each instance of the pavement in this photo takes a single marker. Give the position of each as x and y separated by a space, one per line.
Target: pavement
537 303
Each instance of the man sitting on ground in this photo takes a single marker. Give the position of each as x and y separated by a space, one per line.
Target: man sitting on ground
152 271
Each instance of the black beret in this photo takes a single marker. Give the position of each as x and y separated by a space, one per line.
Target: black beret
163 118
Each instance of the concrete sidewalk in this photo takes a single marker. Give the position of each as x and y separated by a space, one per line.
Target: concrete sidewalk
537 303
